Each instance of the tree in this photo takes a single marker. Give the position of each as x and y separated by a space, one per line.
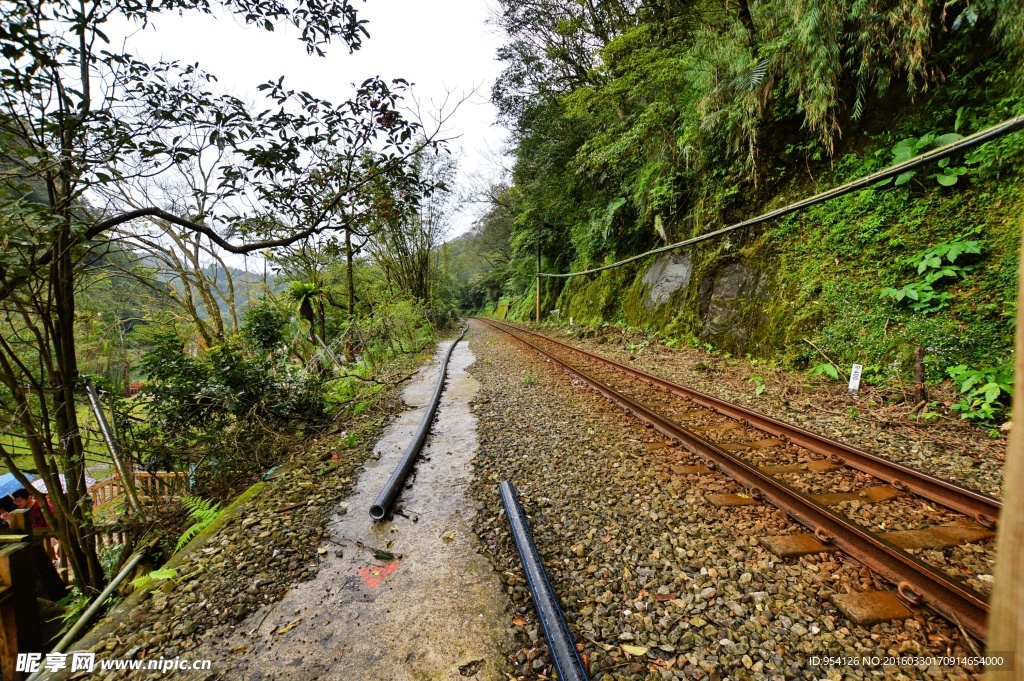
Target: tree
78 119
201 282
407 234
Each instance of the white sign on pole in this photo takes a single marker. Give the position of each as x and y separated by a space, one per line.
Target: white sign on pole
855 378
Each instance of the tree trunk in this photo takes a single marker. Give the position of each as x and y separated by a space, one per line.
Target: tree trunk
743 13
1006 617
77 523
350 283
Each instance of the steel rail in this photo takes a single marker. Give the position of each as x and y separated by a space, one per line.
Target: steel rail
393 487
947 597
981 507
556 631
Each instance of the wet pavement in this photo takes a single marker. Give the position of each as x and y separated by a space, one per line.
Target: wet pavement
437 612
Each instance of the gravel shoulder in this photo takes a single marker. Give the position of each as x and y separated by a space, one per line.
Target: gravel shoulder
639 558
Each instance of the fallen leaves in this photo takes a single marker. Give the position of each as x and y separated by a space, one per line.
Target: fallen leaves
634 650
288 627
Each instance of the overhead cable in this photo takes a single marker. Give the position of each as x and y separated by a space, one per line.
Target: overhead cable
939 153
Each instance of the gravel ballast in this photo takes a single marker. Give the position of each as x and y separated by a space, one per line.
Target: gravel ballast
655 582
879 420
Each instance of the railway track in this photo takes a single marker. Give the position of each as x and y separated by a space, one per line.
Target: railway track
830 488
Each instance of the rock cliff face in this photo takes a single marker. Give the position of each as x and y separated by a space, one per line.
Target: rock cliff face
668 274
726 297
719 298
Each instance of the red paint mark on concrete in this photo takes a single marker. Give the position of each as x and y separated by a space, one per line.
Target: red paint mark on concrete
374 575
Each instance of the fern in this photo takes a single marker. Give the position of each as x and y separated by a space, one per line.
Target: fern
160 575
202 512
74 603
758 73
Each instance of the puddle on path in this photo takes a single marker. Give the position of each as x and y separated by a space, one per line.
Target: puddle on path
438 613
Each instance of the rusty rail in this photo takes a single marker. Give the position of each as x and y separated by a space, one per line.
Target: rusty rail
979 506
947 597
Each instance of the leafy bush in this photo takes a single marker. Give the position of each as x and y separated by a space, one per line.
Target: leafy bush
224 411
75 603
936 263
224 385
263 326
909 148
985 393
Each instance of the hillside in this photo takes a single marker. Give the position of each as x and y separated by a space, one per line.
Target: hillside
682 121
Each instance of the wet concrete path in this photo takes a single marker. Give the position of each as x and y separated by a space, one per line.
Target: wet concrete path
439 612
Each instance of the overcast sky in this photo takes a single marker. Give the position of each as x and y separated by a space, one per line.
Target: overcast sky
438 45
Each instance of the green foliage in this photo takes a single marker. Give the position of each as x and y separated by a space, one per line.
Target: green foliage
674 122
154 577
223 386
985 393
110 558
308 299
908 148
759 385
652 126
936 263
225 411
75 603
825 369
202 513
264 325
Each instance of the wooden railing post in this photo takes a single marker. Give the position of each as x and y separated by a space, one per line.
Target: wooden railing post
1006 618
21 627
54 586
20 522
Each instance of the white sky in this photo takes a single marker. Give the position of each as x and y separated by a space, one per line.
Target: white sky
437 45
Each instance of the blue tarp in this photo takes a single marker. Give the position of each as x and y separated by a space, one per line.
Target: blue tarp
9 483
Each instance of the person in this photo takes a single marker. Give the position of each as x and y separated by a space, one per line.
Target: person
6 506
22 499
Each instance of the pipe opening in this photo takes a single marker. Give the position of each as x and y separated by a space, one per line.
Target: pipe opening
377 512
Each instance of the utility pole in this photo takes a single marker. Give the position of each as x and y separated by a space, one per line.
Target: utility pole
115 450
1006 618
538 281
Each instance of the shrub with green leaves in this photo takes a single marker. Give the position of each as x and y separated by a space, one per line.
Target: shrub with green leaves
225 385
938 265
224 410
907 149
263 326
985 393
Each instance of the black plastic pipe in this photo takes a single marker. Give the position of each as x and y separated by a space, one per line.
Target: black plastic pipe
563 650
395 483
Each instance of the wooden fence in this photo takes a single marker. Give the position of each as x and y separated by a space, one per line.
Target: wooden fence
151 487
21 558
27 557
160 486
